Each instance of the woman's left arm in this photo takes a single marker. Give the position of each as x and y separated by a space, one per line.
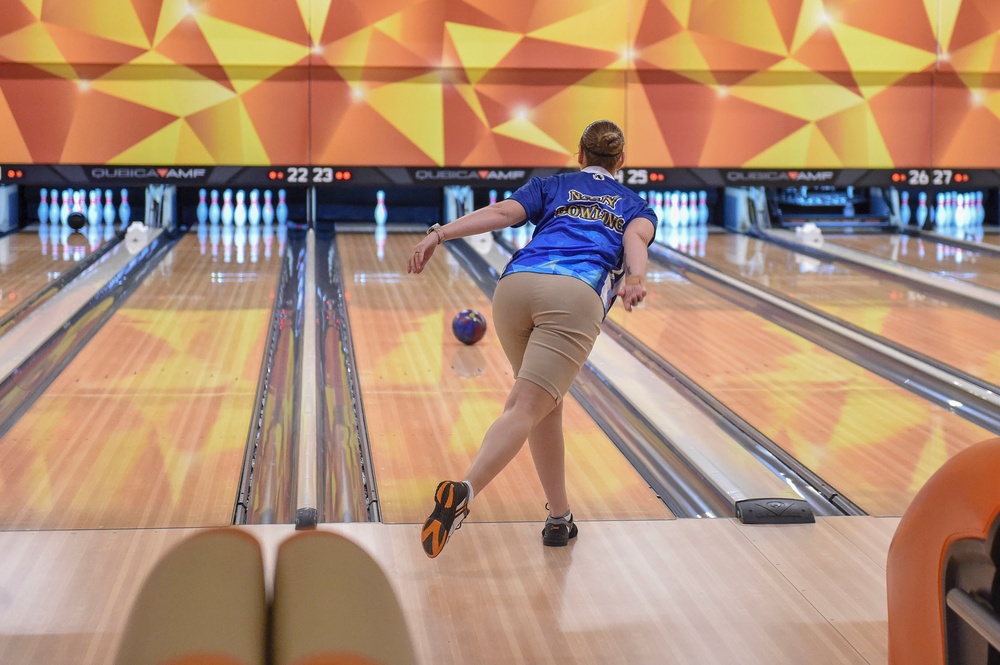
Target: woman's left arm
638 234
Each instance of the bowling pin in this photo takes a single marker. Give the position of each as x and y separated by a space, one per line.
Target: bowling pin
214 212
281 210
904 208
227 207
202 212
493 196
921 209
124 209
109 208
43 206
702 207
381 214
253 210
55 214
240 211
94 209
267 212
64 209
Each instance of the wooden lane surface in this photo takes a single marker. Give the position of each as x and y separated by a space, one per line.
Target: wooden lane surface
872 440
147 426
662 591
429 399
979 268
949 332
27 264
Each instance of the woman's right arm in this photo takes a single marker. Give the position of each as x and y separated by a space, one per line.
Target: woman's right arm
498 216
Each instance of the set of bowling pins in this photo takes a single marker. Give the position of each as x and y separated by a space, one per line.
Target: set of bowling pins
238 243
55 207
678 208
239 209
950 210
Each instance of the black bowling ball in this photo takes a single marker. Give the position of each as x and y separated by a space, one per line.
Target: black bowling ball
76 221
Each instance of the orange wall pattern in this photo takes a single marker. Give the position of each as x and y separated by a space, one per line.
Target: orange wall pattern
695 83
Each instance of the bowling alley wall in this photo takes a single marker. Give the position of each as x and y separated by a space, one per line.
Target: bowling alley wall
695 83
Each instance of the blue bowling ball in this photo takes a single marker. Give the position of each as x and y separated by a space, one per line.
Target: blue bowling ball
469 326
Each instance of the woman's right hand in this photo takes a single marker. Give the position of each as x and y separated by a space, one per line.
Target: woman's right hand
421 254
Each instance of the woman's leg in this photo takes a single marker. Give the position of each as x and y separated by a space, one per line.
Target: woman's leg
527 405
548 451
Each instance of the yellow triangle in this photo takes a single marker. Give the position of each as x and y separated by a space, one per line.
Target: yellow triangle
677 52
253 149
31 44
805 147
349 51
190 149
943 14
314 14
480 48
172 12
595 28
153 149
114 20
416 108
564 115
468 94
751 23
866 51
393 26
236 45
812 17
526 131
812 96
33 6
14 148
681 9
184 93
421 349
975 58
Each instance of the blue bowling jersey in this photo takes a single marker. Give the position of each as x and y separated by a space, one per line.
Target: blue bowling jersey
579 219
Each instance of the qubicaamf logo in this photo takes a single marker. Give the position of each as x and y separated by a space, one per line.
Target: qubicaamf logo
143 173
468 174
763 177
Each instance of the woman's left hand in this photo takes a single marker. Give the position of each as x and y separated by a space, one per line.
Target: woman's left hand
421 254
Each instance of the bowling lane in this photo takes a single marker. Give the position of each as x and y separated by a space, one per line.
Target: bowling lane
146 427
33 257
429 399
980 268
937 328
872 440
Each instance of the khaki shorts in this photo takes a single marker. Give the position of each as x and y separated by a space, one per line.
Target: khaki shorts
547 325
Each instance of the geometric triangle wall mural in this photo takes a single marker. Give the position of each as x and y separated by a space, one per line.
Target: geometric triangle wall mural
712 83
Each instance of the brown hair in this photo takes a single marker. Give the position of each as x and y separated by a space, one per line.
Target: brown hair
603 143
